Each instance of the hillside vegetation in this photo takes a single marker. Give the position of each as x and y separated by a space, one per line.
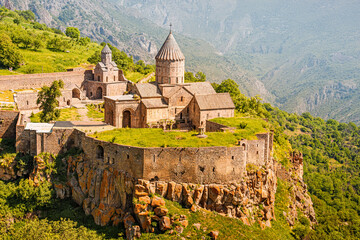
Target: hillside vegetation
27 46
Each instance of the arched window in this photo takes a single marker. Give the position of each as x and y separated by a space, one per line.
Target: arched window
99 78
100 152
182 99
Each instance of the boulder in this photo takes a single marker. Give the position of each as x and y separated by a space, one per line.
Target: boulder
161 211
165 223
157 202
214 234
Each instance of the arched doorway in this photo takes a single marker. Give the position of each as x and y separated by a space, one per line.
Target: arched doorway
126 119
76 93
100 152
99 93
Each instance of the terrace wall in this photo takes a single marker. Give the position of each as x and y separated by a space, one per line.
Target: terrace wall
8 120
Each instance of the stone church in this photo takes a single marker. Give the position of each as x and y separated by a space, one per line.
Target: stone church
168 101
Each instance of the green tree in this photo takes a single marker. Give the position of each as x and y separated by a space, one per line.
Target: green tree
9 53
27 15
72 32
47 98
200 77
229 86
38 44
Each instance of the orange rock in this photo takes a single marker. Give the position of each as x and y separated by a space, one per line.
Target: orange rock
138 208
157 202
214 234
245 220
101 206
104 187
171 190
145 199
165 224
161 211
177 192
193 208
185 223
161 188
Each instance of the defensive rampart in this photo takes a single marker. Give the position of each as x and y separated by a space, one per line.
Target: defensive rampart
202 165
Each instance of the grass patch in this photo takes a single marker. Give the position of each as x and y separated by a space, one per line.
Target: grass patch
94 114
150 137
6 96
134 76
66 114
256 125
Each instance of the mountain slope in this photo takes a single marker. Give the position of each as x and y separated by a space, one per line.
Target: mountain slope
300 56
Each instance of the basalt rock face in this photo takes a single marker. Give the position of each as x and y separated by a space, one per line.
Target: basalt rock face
253 196
102 191
299 197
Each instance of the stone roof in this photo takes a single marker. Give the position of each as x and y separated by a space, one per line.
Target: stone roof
128 97
40 127
200 88
106 49
154 103
170 50
215 101
148 90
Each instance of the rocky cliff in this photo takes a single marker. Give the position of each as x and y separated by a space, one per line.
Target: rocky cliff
114 197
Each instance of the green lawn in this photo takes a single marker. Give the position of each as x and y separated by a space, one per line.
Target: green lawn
136 76
255 124
6 96
66 114
93 114
152 137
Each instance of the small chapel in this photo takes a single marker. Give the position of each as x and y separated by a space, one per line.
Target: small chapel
169 101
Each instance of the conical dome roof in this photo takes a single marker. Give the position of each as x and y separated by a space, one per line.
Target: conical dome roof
106 49
170 50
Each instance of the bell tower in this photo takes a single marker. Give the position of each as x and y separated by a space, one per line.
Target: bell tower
106 55
170 62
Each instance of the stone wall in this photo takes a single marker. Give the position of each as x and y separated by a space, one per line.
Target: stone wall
27 100
8 120
28 81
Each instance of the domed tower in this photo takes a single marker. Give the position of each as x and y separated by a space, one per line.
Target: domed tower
170 63
106 55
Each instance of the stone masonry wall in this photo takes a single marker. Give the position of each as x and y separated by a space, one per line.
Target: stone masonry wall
8 120
28 81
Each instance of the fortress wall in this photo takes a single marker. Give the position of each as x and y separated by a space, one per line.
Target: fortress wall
27 100
8 120
122 158
28 81
196 165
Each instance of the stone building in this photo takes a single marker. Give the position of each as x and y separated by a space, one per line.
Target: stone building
108 80
169 99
